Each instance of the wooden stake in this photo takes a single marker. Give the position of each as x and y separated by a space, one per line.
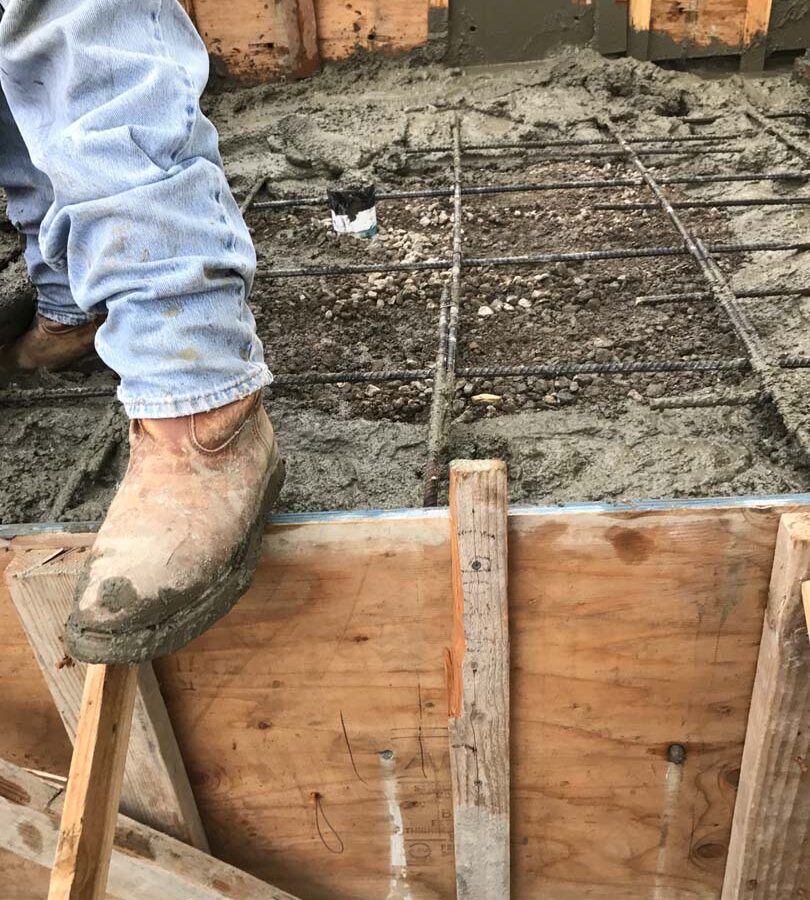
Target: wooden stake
478 675
769 852
94 784
755 35
638 34
302 37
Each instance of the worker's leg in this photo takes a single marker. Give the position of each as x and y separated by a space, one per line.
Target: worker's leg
106 96
61 333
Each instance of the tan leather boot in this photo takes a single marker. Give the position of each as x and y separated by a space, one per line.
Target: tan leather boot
182 537
53 346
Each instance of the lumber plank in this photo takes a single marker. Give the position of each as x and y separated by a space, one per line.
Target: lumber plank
93 790
156 786
478 675
755 35
695 29
31 731
631 630
769 853
302 37
145 865
639 14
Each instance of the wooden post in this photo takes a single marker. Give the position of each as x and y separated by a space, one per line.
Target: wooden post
806 601
156 787
769 851
94 785
478 679
755 35
638 34
302 37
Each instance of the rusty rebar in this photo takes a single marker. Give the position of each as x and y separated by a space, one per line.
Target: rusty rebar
571 256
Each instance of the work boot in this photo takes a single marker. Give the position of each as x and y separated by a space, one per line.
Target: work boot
182 537
53 346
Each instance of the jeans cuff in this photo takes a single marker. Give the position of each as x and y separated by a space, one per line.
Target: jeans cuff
142 408
58 314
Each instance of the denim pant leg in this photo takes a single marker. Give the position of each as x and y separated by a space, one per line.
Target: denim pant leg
29 196
106 95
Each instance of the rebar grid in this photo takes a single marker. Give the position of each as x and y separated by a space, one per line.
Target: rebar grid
444 372
540 186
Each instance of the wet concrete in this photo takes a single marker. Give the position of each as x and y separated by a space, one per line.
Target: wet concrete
346 449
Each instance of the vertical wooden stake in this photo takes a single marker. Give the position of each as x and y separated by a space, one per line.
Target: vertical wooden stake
94 785
638 33
769 851
302 37
478 676
755 35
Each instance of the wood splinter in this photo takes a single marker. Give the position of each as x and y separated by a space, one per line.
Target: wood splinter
94 784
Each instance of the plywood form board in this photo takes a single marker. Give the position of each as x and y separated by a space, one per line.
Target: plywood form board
250 38
145 865
704 27
313 718
156 787
31 733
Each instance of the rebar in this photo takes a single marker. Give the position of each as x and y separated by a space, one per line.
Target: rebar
708 204
696 296
445 381
632 367
525 147
795 362
779 133
251 194
102 443
438 265
708 401
540 186
577 142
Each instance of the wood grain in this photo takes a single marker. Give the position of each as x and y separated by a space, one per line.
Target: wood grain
302 37
31 732
156 787
146 865
639 14
716 26
769 856
90 811
250 38
479 662
630 631
756 22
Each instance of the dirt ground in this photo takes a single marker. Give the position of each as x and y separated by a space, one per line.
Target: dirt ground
565 439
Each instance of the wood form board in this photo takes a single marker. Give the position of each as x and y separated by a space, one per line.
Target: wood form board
711 24
630 631
250 37
31 732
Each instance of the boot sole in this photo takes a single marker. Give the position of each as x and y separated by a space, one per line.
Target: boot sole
168 636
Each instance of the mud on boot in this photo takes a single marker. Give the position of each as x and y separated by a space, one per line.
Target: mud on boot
183 534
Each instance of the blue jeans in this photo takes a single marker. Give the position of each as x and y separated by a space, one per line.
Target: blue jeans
114 176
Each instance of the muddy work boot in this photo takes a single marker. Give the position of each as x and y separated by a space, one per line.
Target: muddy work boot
182 536
53 346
